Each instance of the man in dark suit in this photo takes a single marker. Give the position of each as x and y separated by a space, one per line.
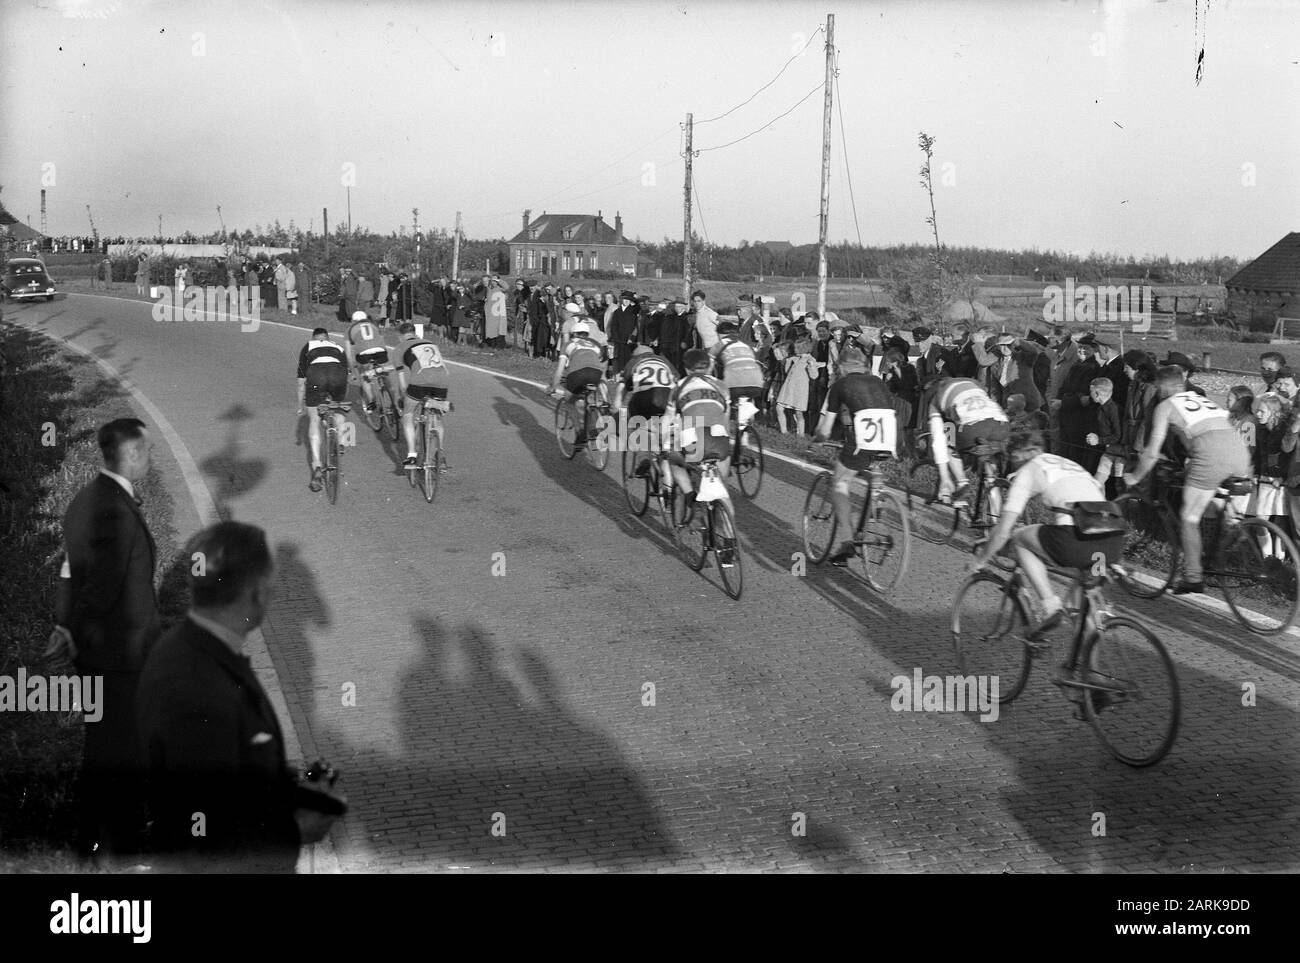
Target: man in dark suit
107 621
221 793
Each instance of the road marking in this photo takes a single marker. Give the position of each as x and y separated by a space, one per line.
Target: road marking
206 508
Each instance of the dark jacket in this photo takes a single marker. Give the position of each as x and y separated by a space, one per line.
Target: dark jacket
1108 428
214 745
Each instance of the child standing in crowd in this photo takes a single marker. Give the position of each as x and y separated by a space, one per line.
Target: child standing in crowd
800 371
1107 433
1271 464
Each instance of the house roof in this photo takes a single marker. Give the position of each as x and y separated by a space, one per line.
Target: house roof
1277 269
21 231
586 228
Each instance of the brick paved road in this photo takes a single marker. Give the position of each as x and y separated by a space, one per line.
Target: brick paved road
522 694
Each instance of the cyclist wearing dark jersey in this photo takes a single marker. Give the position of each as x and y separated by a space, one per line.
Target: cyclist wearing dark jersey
365 346
697 410
1216 452
581 363
866 405
322 377
977 420
645 383
739 370
423 375
1060 483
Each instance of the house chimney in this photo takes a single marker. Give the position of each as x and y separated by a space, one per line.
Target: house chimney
618 223
527 218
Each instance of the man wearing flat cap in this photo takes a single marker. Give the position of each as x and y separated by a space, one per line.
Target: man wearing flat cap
675 333
623 326
1077 414
1188 368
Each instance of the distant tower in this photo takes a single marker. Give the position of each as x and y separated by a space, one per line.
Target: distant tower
43 229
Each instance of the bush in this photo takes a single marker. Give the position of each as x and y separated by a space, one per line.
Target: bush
1221 335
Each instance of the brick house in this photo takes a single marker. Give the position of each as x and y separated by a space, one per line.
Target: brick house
1269 286
562 245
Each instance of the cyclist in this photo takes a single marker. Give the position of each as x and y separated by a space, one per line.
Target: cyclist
1059 482
422 375
864 402
647 381
581 363
365 345
573 317
697 408
739 370
322 377
1216 451
978 420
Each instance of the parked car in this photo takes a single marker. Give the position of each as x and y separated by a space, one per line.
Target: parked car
26 277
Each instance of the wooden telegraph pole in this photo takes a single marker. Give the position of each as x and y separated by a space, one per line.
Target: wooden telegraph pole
455 251
826 167
686 216
415 228
325 216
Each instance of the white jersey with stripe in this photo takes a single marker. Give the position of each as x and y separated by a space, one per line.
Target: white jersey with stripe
1192 415
1058 481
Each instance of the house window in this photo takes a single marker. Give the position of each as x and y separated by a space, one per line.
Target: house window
532 234
565 264
519 259
595 261
532 259
577 261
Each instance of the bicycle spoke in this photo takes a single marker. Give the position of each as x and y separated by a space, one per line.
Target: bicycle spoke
726 549
886 542
1130 692
988 629
819 519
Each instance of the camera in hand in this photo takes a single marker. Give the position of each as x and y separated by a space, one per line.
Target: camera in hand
322 776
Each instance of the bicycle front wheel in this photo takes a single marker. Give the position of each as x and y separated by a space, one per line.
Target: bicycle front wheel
1152 547
934 521
597 441
749 462
886 544
692 534
989 627
332 467
566 427
1257 574
1130 692
819 519
636 490
726 549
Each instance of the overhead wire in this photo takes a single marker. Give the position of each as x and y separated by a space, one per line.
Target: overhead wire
704 150
792 59
844 146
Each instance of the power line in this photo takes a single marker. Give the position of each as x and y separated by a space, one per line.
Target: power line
769 83
848 174
695 190
819 86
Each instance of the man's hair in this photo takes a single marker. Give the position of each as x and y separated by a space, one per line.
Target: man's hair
959 328
406 327
1284 372
115 434
320 332
1170 375
224 559
894 356
1272 356
1020 440
1016 402
698 294
1102 383
696 358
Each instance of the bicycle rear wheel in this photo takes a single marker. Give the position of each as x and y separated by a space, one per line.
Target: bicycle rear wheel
1152 547
989 626
636 490
749 462
597 443
819 519
1130 692
726 549
375 416
1260 588
566 427
886 544
390 412
332 466
934 521
691 535
431 469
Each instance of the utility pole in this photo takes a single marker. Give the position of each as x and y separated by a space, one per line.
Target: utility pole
349 212
826 167
44 229
160 233
223 223
415 228
455 251
325 219
686 214
94 232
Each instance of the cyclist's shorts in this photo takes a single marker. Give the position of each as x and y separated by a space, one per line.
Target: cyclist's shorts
576 381
986 432
325 381
426 391
648 404
755 394
1218 455
373 356
850 457
1067 548
711 446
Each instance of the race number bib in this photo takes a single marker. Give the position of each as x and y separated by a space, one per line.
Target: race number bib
426 355
875 429
650 376
974 405
1195 411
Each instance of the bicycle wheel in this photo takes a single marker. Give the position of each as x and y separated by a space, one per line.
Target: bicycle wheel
597 443
886 542
566 427
413 473
636 490
989 626
726 549
934 522
392 415
375 416
332 466
749 462
1260 588
1152 547
819 519
431 468
691 536
666 498
1130 692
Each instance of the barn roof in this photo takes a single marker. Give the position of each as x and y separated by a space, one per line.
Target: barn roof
1277 269
585 228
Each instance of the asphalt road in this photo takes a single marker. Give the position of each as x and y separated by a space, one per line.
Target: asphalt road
516 701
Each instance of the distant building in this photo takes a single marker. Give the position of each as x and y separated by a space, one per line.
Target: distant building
562 245
16 229
1269 286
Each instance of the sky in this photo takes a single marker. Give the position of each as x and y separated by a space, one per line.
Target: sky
1062 125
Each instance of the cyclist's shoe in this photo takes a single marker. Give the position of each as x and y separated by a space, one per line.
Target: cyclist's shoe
1050 623
1189 588
726 551
844 555
412 461
317 479
961 497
